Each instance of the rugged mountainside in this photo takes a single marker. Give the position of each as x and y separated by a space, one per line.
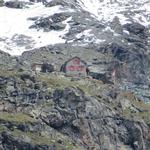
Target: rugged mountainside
54 112
73 21
109 35
109 110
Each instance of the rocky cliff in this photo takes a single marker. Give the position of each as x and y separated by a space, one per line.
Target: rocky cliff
52 112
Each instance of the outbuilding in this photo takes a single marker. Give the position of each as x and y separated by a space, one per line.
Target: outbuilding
75 67
36 67
45 67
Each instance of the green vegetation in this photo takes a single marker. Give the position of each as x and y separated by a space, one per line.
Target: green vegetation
89 86
144 109
47 104
38 139
2 128
145 116
35 137
129 114
16 117
10 73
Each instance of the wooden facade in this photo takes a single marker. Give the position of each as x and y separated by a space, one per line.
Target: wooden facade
75 67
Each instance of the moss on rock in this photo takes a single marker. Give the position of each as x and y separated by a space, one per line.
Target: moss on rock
16 117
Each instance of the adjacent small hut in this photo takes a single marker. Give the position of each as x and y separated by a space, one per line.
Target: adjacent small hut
45 67
75 67
36 67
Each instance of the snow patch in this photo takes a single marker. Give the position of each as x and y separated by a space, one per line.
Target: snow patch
107 10
14 22
88 37
108 29
127 32
84 33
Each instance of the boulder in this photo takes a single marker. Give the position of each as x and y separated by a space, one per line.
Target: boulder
55 3
136 28
14 4
59 17
47 25
1 3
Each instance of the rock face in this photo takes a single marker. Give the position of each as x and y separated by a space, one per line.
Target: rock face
50 114
47 25
55 3
15 4
28 94
1 3
54 22
95 125
7 62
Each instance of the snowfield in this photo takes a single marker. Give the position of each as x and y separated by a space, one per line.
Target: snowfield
14 23
16 37
106 10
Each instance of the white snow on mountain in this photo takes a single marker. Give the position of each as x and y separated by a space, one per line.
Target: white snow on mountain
106 10
14 23
16 37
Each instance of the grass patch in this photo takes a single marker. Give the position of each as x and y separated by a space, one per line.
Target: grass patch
37 139
90 87
128 114
143 109
7 73
2 128
47 104
16 117
145 116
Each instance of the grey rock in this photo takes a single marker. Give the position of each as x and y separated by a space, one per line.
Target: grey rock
54 3
47 25
1 3
137 29
59 2
59 17
94 122
14 4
